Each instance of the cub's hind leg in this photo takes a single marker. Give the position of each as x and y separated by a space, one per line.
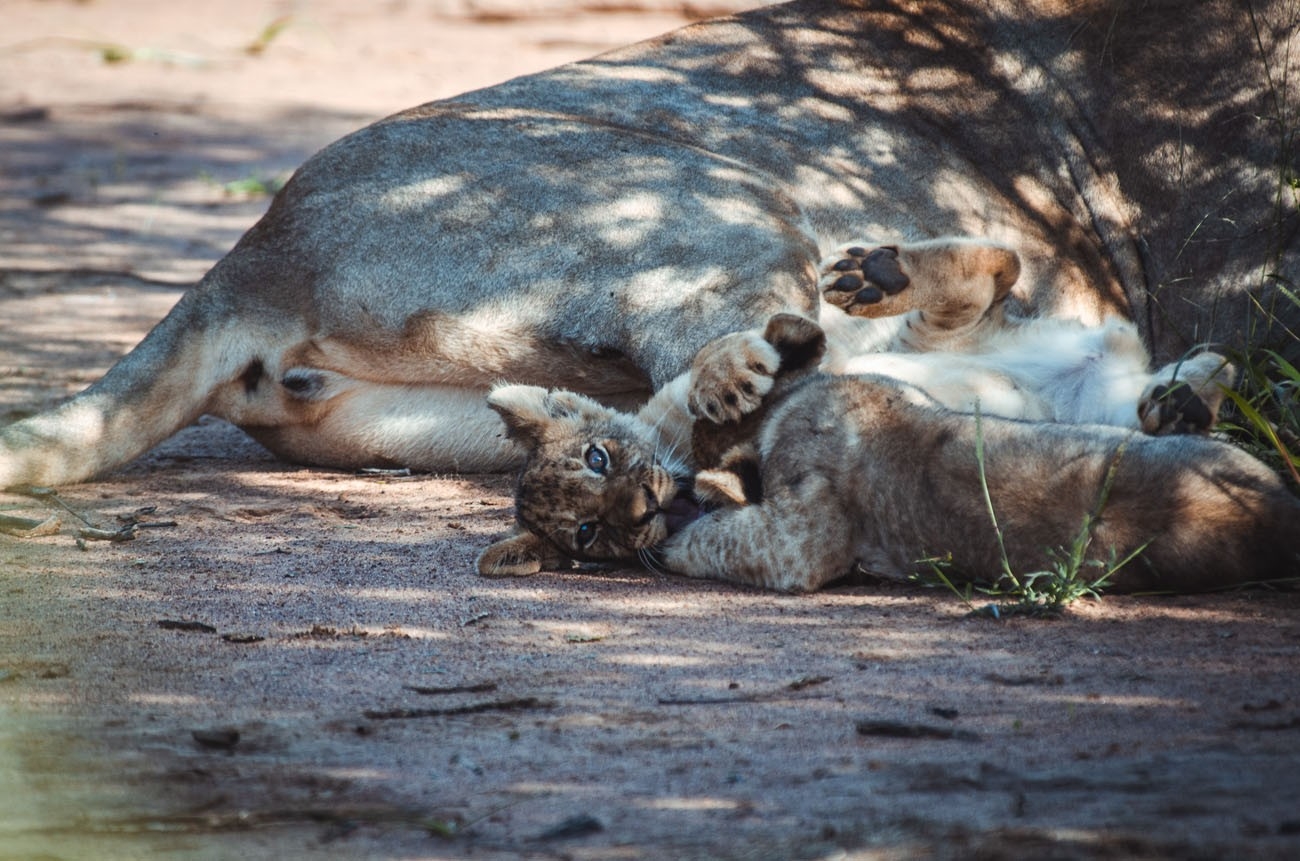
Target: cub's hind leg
1185 397
946 286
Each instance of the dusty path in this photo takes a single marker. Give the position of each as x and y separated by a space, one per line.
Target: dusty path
305 665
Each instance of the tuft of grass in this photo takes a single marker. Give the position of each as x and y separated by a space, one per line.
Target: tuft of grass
1263 413
252 185
268 34
1071 574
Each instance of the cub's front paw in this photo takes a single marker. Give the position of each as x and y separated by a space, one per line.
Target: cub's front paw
859 278
521 555
731 376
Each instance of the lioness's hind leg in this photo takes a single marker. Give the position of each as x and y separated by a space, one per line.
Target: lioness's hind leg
949 283
364 424
1185 397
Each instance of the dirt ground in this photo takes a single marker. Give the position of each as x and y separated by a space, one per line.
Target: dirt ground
294 663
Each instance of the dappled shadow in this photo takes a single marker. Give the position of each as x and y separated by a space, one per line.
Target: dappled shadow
1144 149
157 191
664 190
640 204
678 714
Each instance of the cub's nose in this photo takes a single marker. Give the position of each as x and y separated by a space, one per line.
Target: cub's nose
644 506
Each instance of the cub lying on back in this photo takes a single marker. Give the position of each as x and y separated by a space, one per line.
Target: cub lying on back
880 471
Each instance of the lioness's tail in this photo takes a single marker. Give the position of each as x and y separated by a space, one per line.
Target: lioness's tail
155 390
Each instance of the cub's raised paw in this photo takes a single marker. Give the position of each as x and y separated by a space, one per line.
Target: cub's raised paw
730 376
1185 397
859 278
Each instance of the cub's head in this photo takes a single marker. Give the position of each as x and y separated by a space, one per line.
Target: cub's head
594 486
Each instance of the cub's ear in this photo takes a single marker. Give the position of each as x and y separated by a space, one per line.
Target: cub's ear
520 555
529 411
523 409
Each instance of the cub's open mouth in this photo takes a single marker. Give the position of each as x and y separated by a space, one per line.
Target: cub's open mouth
682 511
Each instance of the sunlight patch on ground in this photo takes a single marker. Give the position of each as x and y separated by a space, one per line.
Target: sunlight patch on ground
152 699
683 803
658 659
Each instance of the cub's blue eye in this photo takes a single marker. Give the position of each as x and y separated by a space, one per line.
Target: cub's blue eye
586 535
596 459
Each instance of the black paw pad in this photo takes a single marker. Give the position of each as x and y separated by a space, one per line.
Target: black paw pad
877 269
881 268
848 283
869 295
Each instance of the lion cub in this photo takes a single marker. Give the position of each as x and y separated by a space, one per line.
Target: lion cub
878 470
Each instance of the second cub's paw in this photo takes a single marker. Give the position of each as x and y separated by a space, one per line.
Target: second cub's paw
730 377
521 555
736 479
1174 409
1185 397
859 278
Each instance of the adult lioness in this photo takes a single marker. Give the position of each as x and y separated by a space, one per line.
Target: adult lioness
594 226
870 471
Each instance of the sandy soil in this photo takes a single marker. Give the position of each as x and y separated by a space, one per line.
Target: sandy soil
289 662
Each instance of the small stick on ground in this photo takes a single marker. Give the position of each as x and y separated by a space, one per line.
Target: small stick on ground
515 705
757 697
186 625
482 688
126 533
899 729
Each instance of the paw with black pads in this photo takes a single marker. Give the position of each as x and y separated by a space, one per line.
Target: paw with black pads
1174 408
859 277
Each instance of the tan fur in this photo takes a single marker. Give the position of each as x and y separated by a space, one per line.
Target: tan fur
856 475
594 226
